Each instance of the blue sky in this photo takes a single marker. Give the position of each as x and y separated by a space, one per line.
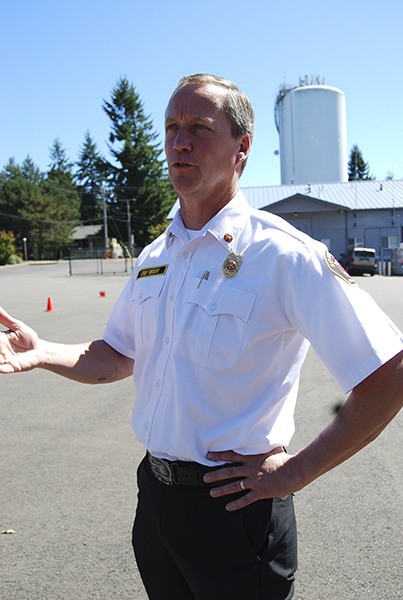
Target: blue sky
61 58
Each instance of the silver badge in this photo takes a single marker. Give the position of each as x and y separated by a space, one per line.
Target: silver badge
231 264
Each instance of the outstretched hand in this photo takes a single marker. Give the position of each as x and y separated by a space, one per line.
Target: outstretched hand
19 345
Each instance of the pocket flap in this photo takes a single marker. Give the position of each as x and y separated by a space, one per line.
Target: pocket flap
147 287
236 302
224 301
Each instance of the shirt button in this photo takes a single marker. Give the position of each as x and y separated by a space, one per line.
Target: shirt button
185 256
167 340
213 307
146 425
158 382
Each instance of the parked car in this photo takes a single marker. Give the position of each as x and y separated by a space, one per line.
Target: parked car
358 261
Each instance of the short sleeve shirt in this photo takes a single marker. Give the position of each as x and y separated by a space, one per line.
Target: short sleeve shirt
219 327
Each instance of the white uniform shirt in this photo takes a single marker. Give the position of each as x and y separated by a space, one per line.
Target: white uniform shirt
218 359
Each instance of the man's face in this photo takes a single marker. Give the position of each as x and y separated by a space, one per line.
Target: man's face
203 157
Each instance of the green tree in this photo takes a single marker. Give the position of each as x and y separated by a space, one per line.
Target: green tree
31 172
60 188
358 169
7 246
90 176
138 181
15 189
42 208
51 223
59 163
156 230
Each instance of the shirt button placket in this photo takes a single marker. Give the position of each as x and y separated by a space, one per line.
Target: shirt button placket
167 336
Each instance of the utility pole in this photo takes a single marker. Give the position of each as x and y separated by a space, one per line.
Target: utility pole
105 225
130 236
129 229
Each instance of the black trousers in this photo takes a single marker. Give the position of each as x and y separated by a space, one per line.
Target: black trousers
188 547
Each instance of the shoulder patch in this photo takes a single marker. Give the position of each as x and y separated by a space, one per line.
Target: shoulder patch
335 267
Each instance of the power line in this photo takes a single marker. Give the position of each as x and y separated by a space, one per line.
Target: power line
35 220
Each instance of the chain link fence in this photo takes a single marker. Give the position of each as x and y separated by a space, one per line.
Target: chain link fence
84 262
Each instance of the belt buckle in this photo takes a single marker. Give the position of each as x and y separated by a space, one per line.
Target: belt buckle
161 469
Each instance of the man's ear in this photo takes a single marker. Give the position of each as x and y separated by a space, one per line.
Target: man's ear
244 148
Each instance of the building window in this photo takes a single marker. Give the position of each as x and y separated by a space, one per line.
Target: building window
357 242
389 241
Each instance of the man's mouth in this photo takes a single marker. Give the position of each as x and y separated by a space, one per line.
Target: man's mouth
180 164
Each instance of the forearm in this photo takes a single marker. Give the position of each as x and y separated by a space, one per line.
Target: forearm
92 362
368 410
365 414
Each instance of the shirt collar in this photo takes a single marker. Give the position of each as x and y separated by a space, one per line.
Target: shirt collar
176 229
226 226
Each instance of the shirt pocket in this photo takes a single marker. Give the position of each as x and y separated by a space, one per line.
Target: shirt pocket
145 298
214 325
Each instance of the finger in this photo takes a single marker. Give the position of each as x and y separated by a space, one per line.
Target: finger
9 363
13 338
225 456
6 319
7 368
242 502
235 487
227 472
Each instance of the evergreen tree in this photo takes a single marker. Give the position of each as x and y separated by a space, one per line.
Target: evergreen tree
31 172
42 208
60 185
137 175
50 221
15 190
358 169
58 160
8 196
90 176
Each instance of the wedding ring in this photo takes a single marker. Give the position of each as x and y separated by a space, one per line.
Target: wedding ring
242 485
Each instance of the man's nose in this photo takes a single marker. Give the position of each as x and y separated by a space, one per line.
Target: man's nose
181 142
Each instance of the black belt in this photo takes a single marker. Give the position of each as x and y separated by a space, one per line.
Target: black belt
179 472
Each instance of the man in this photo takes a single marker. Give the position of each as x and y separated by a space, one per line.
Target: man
216 319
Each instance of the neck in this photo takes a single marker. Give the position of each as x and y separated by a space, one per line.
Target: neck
196 213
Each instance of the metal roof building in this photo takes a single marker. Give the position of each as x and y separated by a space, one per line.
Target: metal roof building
361 213
352 195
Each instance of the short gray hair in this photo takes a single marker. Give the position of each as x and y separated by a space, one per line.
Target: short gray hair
236 105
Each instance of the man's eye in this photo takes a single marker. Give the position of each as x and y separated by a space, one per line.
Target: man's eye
171 127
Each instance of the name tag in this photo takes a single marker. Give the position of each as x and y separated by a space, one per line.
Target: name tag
152 271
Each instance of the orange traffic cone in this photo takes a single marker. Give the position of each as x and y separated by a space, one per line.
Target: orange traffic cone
50 305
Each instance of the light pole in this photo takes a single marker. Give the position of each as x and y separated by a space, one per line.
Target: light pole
25 248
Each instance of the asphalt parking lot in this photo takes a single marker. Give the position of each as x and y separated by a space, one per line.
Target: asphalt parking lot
68 466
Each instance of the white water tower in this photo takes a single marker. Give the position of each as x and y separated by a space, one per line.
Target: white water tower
311 121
